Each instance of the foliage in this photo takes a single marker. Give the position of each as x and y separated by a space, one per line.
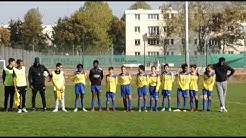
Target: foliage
4 36
140 5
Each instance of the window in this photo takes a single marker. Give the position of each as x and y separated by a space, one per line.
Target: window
153 30
137 16
168 28
137 53
172 41
195 41
183 41
137 29
153 53
166 41
213 42
137 42
170 53
230 52
165 28
153 42
153 16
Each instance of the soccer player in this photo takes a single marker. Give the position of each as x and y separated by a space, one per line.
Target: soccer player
36 80
79 78
124 80
96 76
154 84
111 84
142 83
9 89
20 84
167 79
193 87
58 80
208 84
183 86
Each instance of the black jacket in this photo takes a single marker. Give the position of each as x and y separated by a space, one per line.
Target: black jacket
221 72
35 75
96 76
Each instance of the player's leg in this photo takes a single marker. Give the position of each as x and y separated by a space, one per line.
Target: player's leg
6 97
20 91
93 96
145 98
140 95
204 99
185 97
151 94
12 93
163 100
220 95
56 102
23 101
129 98
76 102
179 97
113 101
34 94
156 96
191 100
196 101
99 101
123 95
209 96
224 86
107 100
169 100
63 102
42 93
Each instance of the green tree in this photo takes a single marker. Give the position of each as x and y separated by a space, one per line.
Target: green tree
140 5
4 36
16 33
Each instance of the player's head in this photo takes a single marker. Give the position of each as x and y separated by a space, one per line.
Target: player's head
58 66
19 62
165 68
221 60
80 67
192 67
141 68
11 62
36 61
95 63
209 68
111 70
153 69
184 67
123 69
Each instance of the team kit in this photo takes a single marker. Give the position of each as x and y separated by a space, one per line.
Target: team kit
153 85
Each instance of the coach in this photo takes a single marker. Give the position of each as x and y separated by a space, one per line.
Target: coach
221 70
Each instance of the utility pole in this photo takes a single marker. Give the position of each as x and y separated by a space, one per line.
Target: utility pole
187 59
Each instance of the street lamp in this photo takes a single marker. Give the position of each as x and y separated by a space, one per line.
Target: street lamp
144 39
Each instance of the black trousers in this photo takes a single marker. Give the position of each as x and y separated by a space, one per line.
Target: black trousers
41 90
9 91
22 91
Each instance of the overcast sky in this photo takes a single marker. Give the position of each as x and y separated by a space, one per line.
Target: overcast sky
51 11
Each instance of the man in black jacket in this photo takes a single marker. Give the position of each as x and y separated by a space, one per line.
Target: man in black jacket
36 80
221 70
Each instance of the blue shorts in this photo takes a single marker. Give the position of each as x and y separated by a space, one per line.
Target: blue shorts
152 92
193 93
206 92
182 93
79 88
96 88
166 93
142 91
125 90
110 95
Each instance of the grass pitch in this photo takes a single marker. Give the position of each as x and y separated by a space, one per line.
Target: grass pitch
121 123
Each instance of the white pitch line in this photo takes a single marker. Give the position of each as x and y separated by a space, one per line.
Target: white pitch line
232 102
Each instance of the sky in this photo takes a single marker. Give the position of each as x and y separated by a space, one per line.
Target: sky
51 11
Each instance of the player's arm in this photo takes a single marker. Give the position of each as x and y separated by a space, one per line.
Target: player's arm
90 75
64 80
3 75
30 72
232 71
158 84
213 80
116 80
130 77
101 75
14 80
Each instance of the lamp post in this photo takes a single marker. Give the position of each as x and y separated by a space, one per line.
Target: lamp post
144 39
186 35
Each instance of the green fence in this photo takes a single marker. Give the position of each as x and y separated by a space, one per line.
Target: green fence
234 60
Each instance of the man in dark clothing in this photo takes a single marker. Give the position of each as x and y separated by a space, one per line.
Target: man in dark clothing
221 70
36 80
96 76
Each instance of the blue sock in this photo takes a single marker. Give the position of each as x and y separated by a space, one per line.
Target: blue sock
130 104
99 103
209 104
191 103
139 103
204 102
107 102
178 103
76 103
169 103
82 103
92 102
185 103
145 103
125 104
156 104
113 103
163 103
150 104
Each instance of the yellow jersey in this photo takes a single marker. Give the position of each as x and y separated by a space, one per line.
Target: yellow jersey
166 79
79 77
208 81
124 79
8 81
58 80
194 81
142 80
20 75
111 83
154 80
183 80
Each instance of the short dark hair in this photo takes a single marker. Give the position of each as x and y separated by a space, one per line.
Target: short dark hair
183 66
123 67
221 59
111 68
193 66
165 65
58 64
11 60
79 65
19 61
153 67
95 61
142 67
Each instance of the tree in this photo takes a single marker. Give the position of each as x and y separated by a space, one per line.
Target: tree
4 36
16 33
117 33
140 5
32 30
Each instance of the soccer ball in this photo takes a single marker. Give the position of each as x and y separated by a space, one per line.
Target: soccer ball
46 74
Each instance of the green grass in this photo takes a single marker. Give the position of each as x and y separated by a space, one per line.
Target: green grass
121 123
